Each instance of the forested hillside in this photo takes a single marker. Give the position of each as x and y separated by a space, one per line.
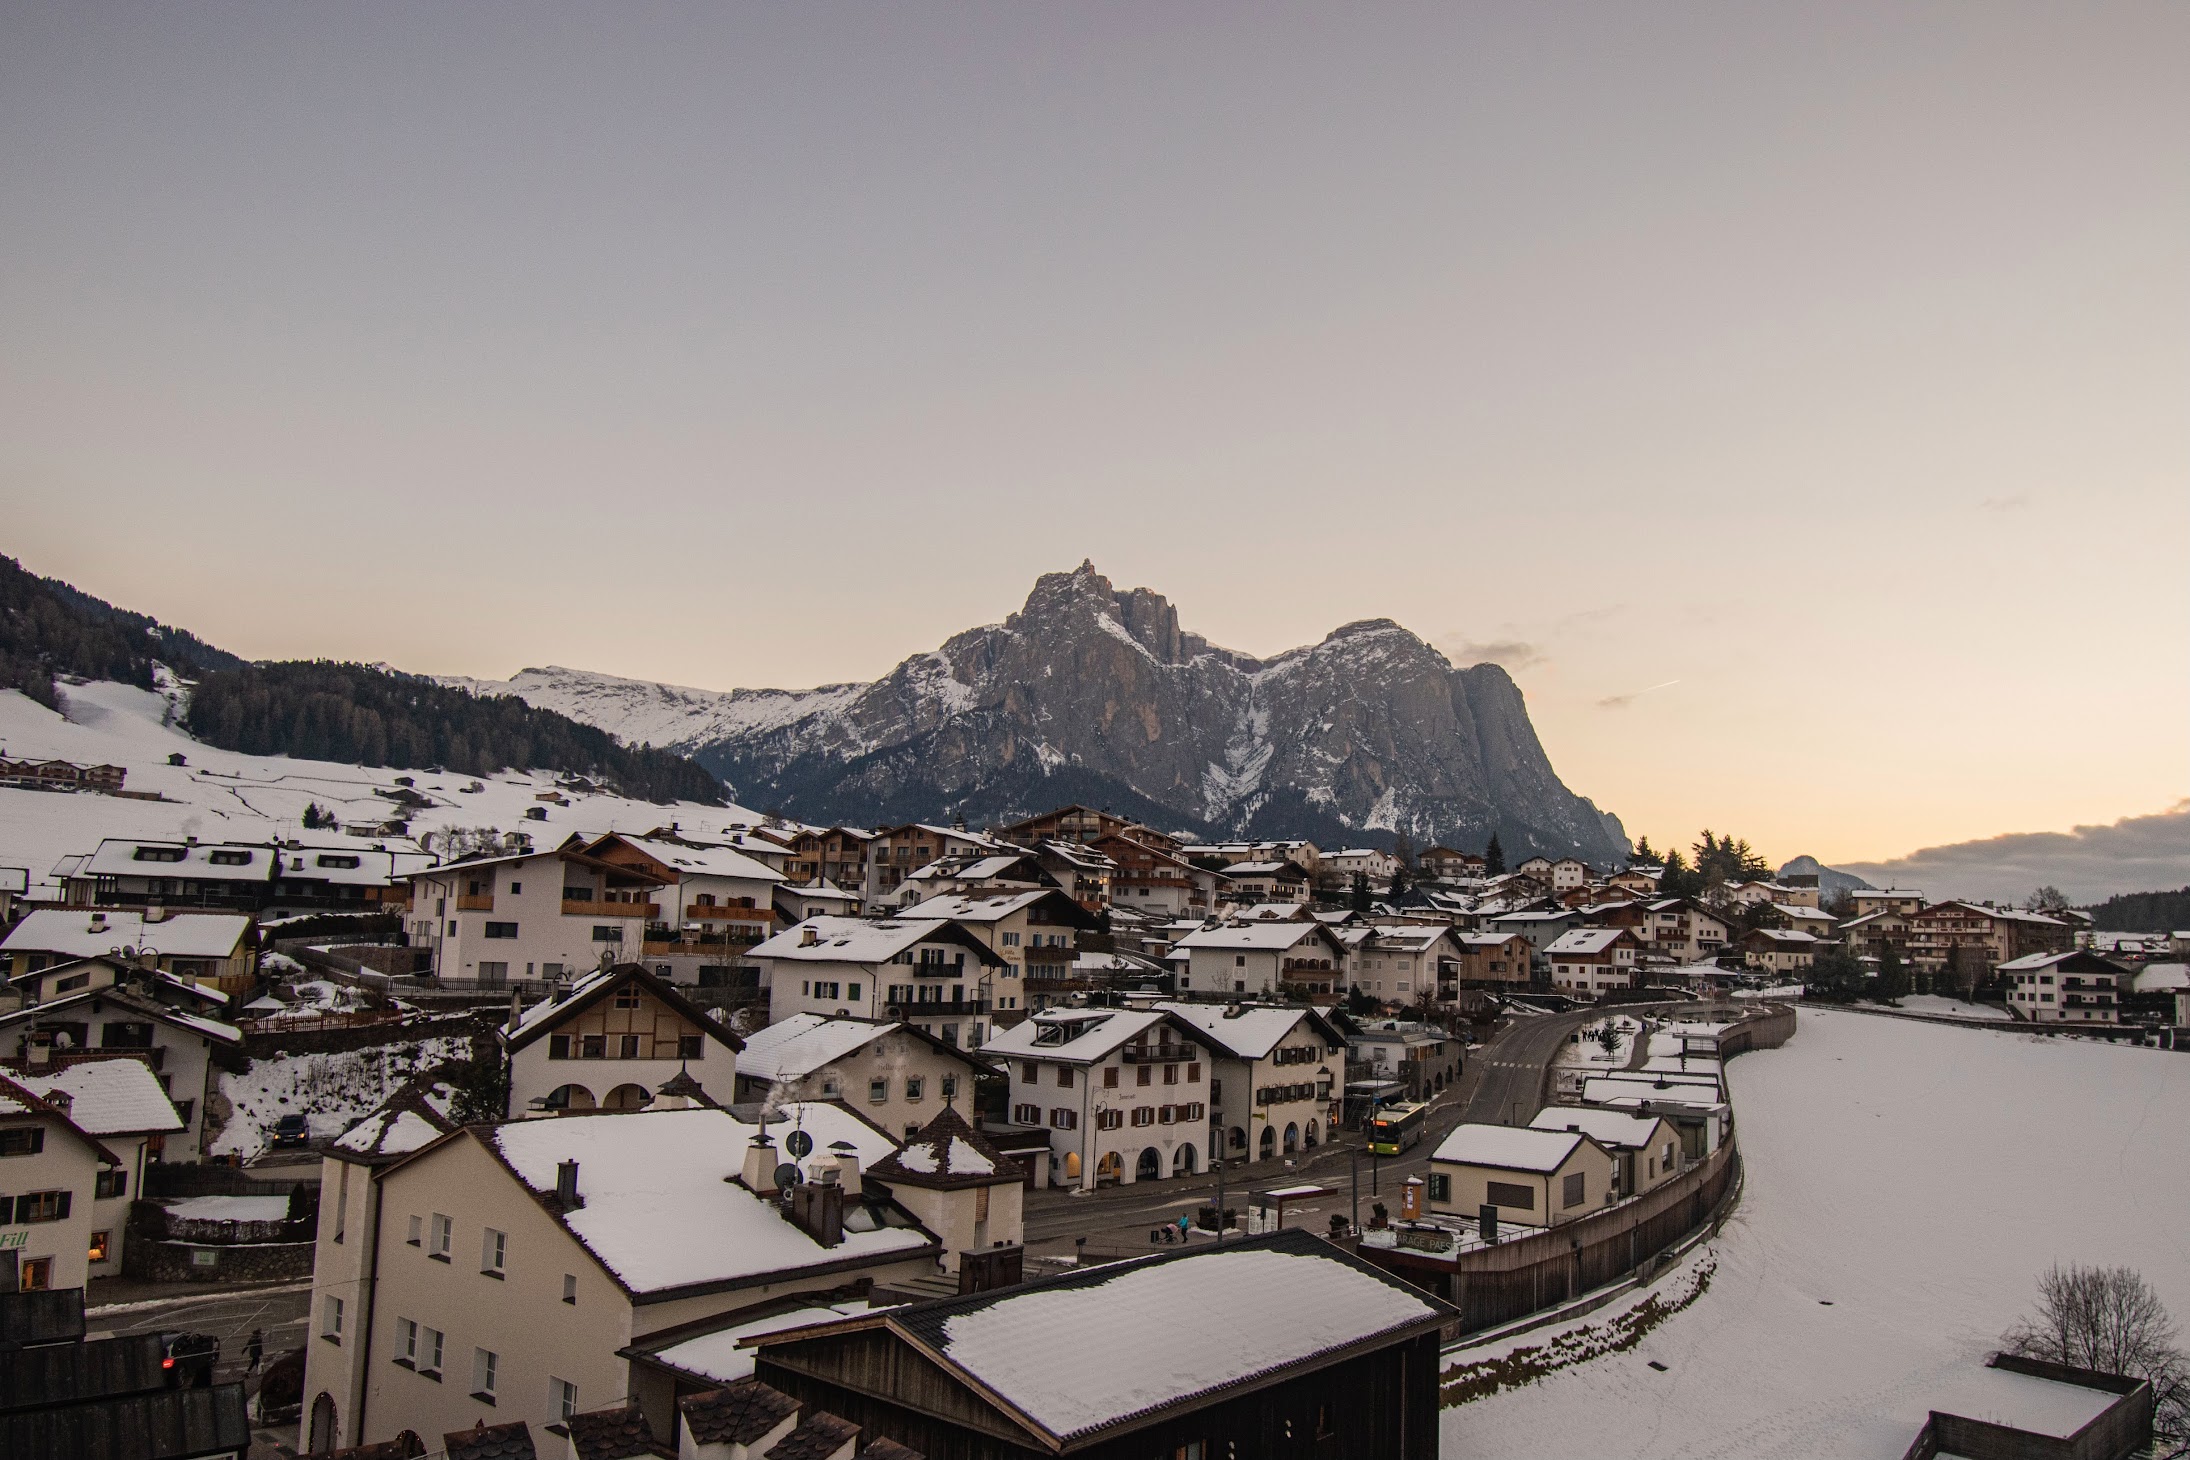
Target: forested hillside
48 628
347 712
2143 912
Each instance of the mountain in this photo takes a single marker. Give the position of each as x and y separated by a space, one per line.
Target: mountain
1831 881
48 628
1096 695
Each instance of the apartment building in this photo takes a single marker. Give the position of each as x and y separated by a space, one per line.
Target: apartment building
1124 1094
1971 938
1036 933
611 1042
1682 929
1898 900
1404 963
1494 960
836 854
1778 950
506 1270
181 1047
896 853
2073 987
1151 880
118 1102
934 974
1261 959
892 1073
1589 963
534 915
1277 1081
716 901
51 1170
219 950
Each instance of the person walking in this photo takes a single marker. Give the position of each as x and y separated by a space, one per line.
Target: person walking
254 1349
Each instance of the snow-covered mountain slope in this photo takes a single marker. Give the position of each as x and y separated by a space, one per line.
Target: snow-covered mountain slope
665 716
222 795
1093 694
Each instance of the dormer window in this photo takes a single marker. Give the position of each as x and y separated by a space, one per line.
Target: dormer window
225 857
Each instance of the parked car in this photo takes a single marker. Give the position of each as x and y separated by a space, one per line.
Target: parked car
292 1133
187 1360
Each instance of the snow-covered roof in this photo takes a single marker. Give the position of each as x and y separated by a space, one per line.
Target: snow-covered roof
129 857
87 933
715 1356
656 1209
977 907
799 1044
1263 869
122 998
1250 1032
2157 978
858 940
1605 1127
2031 962
1077 1035
597 985
413 1117
14 879
1411 937
1584 942
1099 1348
1268 937
707 861
1625 1094
1510 1148
109 1097
947 1152
1785 937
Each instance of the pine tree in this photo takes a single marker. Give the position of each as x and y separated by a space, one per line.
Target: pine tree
1893 975
1643 854
1494 856
1361 902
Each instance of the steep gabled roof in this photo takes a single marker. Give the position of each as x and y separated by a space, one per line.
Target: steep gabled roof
587 992
947 1153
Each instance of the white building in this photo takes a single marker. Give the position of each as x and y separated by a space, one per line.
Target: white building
1123 1093
119 1103
1646 1147
1035 933
893 1074
1589 962
1261 958
179 1046
1277 1084
218 949
51 1170
1342 867
532 915
1404 963
2075 987
936 975
1534 1178
611 1042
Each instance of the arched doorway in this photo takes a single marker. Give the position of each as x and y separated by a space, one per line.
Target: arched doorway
1109 1167
1072 1165
1237 1140
1309 1135
322 1432
628 1097
1182 1160
1269 1143
1149 1167
568 1097
1292 1138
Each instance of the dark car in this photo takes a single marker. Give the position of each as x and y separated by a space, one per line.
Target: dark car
291 1133
187 1360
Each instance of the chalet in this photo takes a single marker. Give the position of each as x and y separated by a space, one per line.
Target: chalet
1406 963
1569 873
340 878
1446 865
610 1042
836 854
1874 932
1822 926
1144 1358
933 973
216 949
1083 872
1901 901
180 1046
1341 867
891 1073
1541 927
896 853
1536 868
1036 933
1081 826
1778 950
1645 1148
534 915
53 1170
1150 879
1970 938
1684 930
1532 1178
1642 881
119 1103
1264 882
815 900
1277 1081
123 872
505 1270
1494 960
1588 963
716 902
1123 1093
61 775
2073 987
1261 958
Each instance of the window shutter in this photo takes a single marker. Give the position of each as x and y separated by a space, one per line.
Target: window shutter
62 1214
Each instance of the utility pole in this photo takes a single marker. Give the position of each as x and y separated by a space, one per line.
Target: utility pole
1220 1201
1353 1161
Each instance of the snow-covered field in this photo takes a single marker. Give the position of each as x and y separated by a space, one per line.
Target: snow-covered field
332 1091
220 795
1955 1008
1907 1182
1588 1049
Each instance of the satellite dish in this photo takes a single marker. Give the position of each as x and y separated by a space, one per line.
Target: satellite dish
799 1144
786 1176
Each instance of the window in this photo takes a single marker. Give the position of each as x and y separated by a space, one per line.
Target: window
1239 960
1144 1115
570 1288
1030 1072
878 1090
493 970
1109 1119
1509 1194
330 1319
1171 1074
500 930
37 1275
1574 1191
406 1343
593 1046
1144 1074
23 1140
417 1225
691 1047
484 1363
1027 1114
1440 1186
627 998
1110 1077
444 1233
430 1341
493 1252
627 1047
1064 1077
915 1087
851 991
102 1246
558 1046
42 1206
562 1398
111 1182
607 933
1063 1119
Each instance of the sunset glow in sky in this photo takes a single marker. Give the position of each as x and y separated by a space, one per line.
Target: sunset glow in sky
1794 400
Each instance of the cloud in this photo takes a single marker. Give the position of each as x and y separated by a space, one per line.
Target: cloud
2012 503
1512 653
2090 863
1621 702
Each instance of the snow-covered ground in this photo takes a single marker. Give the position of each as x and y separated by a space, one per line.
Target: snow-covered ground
221 795
1588 1049
332 1091
1955 1008
1907 1182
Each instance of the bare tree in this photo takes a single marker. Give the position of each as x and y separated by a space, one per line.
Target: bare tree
2109 1319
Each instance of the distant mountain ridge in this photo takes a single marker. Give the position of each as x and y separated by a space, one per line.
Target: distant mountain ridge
1094 694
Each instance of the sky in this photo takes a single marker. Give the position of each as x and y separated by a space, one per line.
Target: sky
1793 398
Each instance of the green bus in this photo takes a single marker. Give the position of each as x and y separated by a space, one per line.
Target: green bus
1396 1127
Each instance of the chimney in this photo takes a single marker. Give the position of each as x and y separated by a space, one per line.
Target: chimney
759 1174
154 913
818 1207
566 1185
808 937
516 1008
847 1163
39 1055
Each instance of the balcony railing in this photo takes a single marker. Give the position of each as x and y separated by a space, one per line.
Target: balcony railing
578 907
476 902
938 1009
1159 1054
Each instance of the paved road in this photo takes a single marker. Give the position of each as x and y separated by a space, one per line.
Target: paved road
1511 1090
278 1311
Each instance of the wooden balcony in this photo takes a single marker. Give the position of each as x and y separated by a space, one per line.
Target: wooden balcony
476 902
575 907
